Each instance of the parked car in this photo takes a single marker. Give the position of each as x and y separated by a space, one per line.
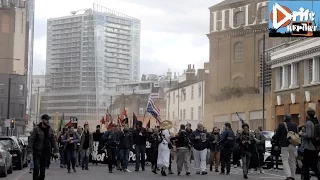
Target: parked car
6 166
12 145
24 147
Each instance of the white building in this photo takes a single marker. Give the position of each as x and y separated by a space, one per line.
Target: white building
87 55
185 103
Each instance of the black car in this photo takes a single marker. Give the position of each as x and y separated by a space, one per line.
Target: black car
15 150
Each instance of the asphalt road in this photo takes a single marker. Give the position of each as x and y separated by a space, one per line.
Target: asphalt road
100 172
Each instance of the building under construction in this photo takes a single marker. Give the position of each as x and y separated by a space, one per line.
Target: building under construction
89 52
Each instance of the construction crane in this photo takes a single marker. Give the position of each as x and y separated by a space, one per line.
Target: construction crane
75 12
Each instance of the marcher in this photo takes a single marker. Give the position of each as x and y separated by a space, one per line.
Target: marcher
310 157
260 148
189 132
200 141
288 151
236 155
86 147
275 152
164 147
41 139
215 149
227 144
98 135
63 159
140 137
71 140
154 140
78 157
183 145
246 142
126 143
112 141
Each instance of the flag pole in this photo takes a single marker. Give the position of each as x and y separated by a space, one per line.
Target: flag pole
146 110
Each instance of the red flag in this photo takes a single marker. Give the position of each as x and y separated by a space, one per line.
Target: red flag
69 124
148 124
102 121
107 116
124 115
109 125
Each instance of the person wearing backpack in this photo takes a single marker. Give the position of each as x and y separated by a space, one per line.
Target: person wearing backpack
183 145
288 150
309 138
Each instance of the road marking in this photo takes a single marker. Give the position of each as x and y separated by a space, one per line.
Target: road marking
271 177
274 175
22 174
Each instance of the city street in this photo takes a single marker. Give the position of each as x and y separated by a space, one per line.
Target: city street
100 172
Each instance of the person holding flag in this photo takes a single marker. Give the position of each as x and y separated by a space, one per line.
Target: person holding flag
140 136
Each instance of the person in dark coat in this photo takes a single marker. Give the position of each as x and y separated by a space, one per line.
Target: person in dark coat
275 152
112 141
154 139
140 136
126 142
288 151
227 146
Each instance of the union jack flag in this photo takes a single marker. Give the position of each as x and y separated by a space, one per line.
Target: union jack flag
153 110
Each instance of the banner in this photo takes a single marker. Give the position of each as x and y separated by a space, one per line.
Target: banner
101 156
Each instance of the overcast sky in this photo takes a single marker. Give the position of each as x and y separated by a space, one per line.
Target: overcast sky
173 32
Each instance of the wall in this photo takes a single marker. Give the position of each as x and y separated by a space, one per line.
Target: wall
20 42
245 104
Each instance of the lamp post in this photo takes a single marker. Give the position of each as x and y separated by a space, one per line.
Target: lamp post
263 69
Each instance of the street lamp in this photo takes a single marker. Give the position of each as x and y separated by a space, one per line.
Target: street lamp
263 72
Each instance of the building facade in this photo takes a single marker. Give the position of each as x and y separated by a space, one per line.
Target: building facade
236 48
14 49
236 43
186 101
17 105
87 54
296 80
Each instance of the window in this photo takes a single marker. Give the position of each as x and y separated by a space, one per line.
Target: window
264 15
180 114
310 70
20 90
200 113
191 113
239 18
184 114
238 48
173 115
191 92
37 81
280 77
141 111
1 89
238 82
21 110
289 74
199 90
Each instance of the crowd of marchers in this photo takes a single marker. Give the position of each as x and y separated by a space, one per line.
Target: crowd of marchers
291 142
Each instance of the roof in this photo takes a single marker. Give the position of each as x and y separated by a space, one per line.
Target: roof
185 84
226 2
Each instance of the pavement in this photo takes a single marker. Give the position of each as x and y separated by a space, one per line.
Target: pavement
100 172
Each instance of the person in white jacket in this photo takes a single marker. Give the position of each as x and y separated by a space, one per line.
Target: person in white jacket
164 151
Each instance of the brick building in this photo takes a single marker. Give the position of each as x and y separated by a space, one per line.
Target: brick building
136 103
236 46
296 80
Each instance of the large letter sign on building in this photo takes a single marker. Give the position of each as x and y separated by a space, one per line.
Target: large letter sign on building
219 17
